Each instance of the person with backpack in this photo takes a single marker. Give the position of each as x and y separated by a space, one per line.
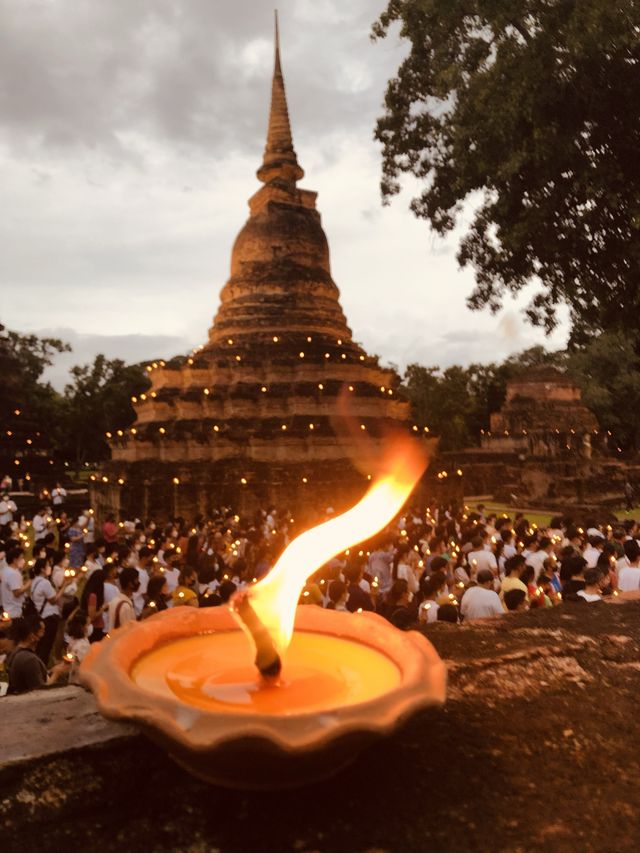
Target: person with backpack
121 609
45 603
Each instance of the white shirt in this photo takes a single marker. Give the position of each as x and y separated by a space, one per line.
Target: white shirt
138 597
41 591
428 612
58 496
591 555
536 560
406 573
479 560
629 578
12 579
126 613
39 526
480 603
7 508
172 576
589 596
111 592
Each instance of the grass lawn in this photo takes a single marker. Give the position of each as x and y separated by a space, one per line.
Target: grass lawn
541 517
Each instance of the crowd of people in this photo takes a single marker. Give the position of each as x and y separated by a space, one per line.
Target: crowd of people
66 583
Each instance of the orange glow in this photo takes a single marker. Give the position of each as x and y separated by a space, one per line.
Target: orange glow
274 599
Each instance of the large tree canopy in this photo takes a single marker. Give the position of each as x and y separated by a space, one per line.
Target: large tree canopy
531 112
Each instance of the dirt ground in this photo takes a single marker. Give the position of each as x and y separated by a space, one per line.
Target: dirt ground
535 750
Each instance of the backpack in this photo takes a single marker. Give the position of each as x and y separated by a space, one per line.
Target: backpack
29 608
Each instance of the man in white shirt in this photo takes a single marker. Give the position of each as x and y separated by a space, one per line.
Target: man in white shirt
58 495
481 602
593 550
538 553
39 523
12 587
379 567
481 559
629 575
7 508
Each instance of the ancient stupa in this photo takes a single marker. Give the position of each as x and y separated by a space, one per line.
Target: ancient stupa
253 416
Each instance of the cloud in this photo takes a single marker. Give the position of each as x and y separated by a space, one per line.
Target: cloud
130 348
129 138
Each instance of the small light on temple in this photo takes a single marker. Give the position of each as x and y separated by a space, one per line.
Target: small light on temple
176 481
162 430
275 339
120 481
189 361
108 434
308 339
134 399
230 341
350 387
238 358
206 391
362 426
283 427
426 429
390 392
304 480
382 388
264 389
311 426
415 428
243 480
361 358
321 386
301 355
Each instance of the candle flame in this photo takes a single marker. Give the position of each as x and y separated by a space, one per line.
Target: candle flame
274 599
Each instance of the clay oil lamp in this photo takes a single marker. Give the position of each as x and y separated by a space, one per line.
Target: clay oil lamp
262 693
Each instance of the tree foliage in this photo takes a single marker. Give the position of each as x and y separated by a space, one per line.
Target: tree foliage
608 372
530 110
97 401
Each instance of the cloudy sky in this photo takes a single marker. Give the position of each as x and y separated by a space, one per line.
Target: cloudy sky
130 132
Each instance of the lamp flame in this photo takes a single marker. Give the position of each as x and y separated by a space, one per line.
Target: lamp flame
274 599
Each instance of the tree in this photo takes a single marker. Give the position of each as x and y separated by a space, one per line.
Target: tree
98 400
608 372
30 409
531 111
442 402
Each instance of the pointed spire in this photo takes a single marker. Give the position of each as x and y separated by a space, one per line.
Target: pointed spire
279 159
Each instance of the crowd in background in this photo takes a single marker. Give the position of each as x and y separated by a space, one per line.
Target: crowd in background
67 582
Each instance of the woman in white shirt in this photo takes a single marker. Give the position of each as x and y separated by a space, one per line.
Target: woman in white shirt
46 600
403 568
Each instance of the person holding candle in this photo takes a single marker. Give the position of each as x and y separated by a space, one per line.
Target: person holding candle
186 591
156 597
358 599
93 604
77 629
25 669
338 595
433 589
13 587
46 600
121 609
